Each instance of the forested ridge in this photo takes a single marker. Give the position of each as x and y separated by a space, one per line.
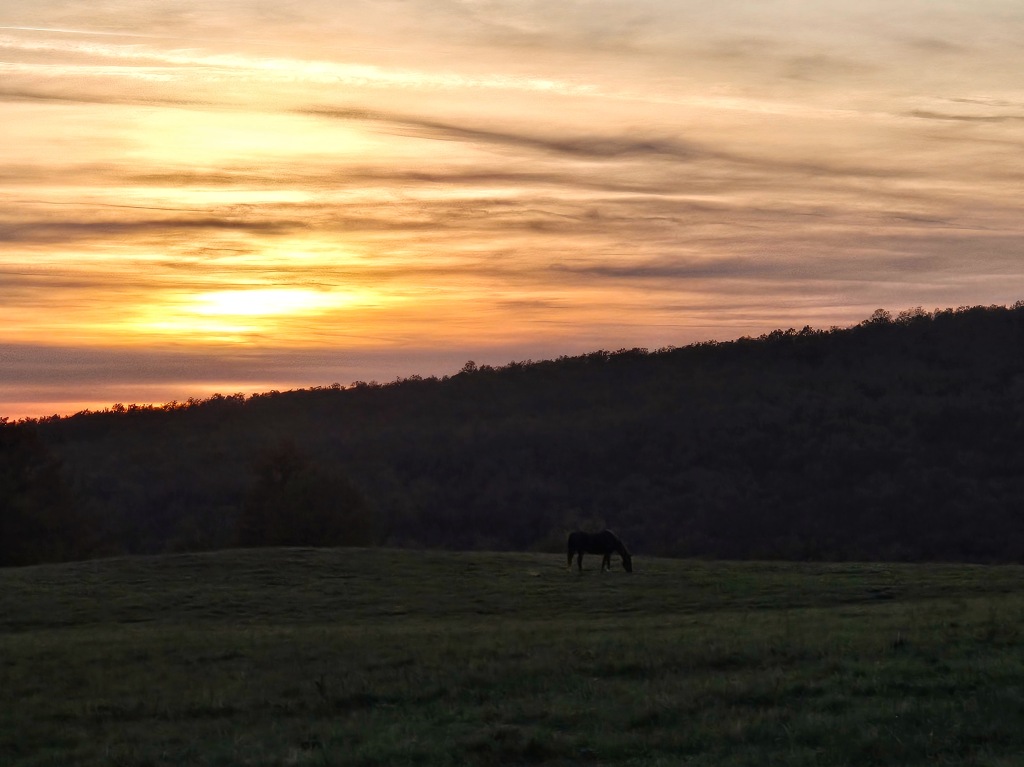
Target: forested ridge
900 438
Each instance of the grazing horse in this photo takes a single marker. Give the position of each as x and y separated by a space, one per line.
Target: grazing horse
605 542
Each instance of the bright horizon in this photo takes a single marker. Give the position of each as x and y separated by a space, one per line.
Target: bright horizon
237 197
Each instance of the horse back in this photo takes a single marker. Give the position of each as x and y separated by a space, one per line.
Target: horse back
597 543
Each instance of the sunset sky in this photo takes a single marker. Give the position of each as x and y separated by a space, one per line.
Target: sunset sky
237 196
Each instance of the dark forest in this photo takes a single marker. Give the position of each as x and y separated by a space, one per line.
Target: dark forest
901 438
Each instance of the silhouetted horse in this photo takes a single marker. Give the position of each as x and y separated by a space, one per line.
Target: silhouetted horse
605 542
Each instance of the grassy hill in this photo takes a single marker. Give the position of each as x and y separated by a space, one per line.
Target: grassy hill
398 657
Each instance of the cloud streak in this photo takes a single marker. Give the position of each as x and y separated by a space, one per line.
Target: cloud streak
925 114
612 147
68 231
583 146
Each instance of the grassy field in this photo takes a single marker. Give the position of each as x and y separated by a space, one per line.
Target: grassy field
380 657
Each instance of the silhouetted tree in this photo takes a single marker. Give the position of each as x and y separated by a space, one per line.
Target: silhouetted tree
37 520
293 502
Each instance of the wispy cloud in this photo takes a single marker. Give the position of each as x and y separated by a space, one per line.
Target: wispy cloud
62 92
976 118
583 146
69 231
623 146
185 63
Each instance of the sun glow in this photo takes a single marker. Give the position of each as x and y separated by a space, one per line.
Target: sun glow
267 302
241 315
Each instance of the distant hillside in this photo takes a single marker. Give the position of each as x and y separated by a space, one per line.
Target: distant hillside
899 438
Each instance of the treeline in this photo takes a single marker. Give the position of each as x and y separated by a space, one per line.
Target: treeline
901 438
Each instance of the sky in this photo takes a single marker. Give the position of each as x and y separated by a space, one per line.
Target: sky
240 196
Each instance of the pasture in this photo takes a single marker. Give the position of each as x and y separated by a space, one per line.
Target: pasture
385 657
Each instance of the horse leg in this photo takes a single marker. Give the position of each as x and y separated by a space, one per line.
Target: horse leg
579 561
568 565
606 562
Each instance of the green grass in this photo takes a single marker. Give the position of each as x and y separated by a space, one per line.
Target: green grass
378 657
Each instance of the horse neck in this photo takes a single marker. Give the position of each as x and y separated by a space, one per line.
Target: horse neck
619 546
